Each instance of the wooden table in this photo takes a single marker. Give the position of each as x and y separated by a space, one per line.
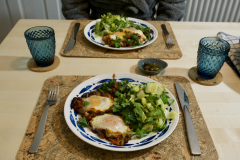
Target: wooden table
20 87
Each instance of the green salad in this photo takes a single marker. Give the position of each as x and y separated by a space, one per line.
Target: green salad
111 23
143 108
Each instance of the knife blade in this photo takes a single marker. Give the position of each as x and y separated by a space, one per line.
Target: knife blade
73 39
191 133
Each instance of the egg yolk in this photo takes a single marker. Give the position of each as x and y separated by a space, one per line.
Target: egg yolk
120 34
95 101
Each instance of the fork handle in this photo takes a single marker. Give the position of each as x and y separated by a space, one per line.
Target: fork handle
165 29
39 134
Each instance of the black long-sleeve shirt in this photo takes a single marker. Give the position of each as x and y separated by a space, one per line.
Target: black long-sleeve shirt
168 10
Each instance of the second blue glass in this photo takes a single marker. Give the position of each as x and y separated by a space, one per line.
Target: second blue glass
212 53
41 43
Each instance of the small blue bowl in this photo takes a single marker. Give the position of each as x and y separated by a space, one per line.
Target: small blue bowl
159 62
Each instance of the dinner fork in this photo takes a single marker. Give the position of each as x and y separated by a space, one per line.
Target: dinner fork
169 41
51 99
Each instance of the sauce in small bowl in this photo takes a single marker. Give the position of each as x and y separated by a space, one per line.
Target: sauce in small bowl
151 66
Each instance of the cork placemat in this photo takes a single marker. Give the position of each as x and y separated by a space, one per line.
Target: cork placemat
34 67
193 74
158 49
59 142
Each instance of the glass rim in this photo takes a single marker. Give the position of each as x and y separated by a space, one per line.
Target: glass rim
229 46
28 37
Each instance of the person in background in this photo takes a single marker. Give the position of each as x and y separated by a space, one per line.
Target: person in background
168 10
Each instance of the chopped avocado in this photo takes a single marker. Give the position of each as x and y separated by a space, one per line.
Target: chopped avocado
132 97
123 19
170 115
159 102
159 90
154 87
164 106
151 88
149 106
148 88
144 101
143 117
163 87
159 123
141 94
136 88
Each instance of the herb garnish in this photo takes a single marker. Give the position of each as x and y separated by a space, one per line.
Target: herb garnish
106 87
83 122
85 103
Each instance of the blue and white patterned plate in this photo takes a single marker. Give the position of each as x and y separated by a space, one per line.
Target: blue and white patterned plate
91 36
88 136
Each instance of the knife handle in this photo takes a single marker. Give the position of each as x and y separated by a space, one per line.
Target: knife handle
75 30
191 133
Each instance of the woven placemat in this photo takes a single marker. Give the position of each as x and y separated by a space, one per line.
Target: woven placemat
59 142
158 49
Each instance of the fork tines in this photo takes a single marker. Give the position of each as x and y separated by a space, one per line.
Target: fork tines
169 41
53 92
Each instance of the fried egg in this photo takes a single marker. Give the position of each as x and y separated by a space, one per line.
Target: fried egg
117 34
109 122
133 30
98 103
130 30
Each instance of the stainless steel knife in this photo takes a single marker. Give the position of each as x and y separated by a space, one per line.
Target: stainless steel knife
191 133
73 39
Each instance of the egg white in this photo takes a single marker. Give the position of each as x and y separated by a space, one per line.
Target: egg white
110 122
98 103
134 30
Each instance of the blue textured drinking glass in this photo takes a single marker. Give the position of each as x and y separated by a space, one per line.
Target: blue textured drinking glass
41 43
212 52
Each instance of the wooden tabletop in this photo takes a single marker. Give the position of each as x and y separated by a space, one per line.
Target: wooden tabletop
20 87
